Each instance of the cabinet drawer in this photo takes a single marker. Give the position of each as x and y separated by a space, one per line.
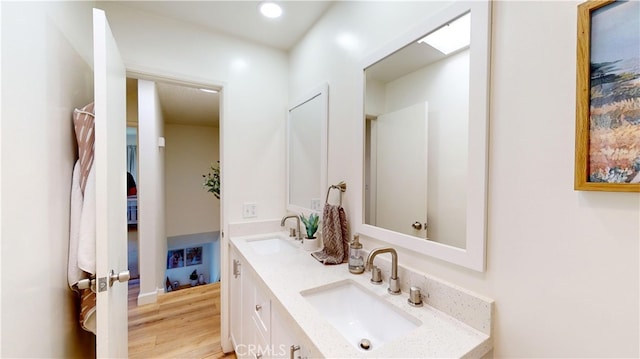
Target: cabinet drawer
262 342
262 316
262 310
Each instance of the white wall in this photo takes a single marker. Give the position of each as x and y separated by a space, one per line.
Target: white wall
190 152
44 78
152 241
562 265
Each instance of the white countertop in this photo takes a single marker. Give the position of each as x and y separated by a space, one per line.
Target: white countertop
287 274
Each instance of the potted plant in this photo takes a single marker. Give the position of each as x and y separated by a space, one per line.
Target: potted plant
311 224
212 180
194 278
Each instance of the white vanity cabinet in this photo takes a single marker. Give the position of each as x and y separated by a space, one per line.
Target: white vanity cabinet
279 277
257 330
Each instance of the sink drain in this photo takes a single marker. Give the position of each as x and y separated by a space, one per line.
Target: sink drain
365 344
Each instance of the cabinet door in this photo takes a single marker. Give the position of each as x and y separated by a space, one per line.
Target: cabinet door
235 302
283 338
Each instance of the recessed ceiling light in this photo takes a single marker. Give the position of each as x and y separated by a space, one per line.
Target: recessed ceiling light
452 36
270 9
209 90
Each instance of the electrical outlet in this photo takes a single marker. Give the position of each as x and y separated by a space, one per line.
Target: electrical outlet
315 204
249 210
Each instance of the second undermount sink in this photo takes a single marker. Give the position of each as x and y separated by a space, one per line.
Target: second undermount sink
364 319
270 245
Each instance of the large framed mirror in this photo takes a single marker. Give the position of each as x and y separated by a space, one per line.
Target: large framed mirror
425 128
307 151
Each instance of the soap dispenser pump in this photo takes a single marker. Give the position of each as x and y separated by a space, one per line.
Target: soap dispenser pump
356 258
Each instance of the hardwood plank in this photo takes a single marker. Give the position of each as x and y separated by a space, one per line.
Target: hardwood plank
182 324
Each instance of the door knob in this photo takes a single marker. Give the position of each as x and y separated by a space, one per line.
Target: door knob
121 277
417 225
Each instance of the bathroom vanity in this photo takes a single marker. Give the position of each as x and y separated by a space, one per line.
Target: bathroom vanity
285 304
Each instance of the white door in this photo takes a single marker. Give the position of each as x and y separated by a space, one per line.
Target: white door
111 196
401 154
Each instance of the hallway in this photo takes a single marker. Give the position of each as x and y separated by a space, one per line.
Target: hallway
182 324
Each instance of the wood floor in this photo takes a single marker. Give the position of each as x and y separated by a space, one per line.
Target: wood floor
182 324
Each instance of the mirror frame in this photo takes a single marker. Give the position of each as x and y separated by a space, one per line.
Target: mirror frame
321 91
473 255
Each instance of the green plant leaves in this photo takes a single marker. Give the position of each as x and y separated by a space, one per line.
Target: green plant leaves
311 224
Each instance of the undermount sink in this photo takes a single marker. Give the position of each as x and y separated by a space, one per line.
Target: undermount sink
271 245
364 319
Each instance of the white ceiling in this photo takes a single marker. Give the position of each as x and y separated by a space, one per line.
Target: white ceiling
241 19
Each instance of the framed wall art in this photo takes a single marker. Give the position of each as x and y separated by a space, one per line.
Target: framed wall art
175 258
607 154
194 256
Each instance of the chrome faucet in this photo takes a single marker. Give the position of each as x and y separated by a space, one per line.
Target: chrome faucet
298 235
394 283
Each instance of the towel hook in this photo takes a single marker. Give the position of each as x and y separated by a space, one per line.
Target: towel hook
342 187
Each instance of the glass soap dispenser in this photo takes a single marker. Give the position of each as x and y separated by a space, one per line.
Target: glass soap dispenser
356 260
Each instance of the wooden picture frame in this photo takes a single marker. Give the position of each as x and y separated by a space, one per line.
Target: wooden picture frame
607 156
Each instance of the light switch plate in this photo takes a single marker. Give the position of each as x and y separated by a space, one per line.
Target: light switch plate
315 204
249 210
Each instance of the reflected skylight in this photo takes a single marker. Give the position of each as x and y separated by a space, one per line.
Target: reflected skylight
452 36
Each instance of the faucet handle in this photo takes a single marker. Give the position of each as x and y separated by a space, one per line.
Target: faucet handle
415 298
292 232
376 275
394 286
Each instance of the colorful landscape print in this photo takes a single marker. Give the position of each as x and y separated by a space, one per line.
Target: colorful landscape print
614 148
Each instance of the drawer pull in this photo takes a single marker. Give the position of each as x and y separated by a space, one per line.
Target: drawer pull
258 307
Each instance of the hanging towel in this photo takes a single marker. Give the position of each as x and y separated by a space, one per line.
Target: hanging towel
83 124
87 229
82 231
335 236
74 273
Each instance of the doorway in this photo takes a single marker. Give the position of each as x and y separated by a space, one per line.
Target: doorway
186 128
185 140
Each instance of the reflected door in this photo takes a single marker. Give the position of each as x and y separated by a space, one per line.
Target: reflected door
399 142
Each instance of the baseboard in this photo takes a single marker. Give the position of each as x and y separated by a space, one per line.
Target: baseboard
147 298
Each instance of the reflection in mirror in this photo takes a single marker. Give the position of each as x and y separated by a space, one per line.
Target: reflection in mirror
416 136
425 136
307 152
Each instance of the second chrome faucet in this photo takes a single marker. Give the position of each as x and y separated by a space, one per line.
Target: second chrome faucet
394 282
298 234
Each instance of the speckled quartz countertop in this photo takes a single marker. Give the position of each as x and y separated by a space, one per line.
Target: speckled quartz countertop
286 274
